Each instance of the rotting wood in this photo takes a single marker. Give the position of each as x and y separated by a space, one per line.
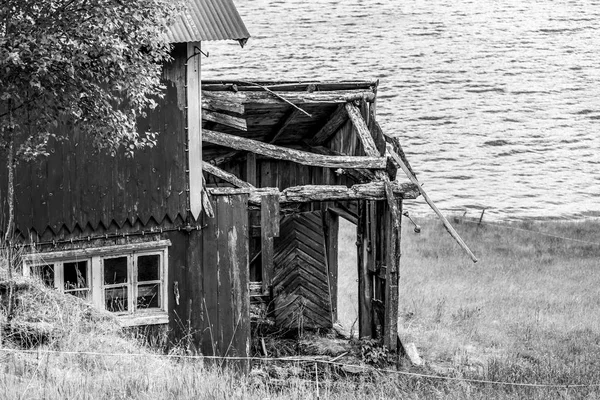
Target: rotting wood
298 156
415 181
224 119
297 98
337 119
357 175
219 85
309 193
362 130
216 104
226 176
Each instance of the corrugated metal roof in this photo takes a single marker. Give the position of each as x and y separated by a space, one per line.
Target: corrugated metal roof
209 20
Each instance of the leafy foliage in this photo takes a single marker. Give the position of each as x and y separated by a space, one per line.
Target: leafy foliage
93 64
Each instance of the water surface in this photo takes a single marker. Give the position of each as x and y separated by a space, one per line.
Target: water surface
497 103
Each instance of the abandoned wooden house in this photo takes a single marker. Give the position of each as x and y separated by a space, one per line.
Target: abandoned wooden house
239 200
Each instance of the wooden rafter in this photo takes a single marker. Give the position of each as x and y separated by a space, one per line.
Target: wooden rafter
282 125
284 153
335 121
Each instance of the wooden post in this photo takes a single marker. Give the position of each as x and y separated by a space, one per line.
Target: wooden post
251 168
269 225
331 230
365 288
390 332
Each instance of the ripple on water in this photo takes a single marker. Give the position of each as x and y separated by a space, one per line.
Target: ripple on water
519 75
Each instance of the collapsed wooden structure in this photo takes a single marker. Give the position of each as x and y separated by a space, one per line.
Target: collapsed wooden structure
301 156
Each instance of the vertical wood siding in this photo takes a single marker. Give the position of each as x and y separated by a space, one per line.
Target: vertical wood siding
221 300
76 185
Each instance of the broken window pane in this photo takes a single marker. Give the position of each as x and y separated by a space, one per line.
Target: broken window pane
116 299
115 270
45 272
148 268
148 296
75 275
82 294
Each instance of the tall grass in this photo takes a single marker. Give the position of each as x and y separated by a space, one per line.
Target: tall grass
526 313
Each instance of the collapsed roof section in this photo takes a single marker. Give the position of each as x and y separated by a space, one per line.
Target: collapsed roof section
328 125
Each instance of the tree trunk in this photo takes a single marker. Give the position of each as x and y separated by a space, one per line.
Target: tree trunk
10 198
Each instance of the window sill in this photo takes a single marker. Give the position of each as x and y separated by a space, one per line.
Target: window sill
146 318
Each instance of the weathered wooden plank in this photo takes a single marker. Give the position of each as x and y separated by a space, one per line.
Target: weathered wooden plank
284 153
365 289
224 119
357 175
335 121
393 232
331 222
194 132
415 181
224 265
269 223
226 176
218 85
310 193
216 104
209 303
262 97
251 168
362 130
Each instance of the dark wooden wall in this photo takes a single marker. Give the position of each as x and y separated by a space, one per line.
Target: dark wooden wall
78 188
218 280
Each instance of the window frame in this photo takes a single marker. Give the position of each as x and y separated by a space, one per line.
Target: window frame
95 257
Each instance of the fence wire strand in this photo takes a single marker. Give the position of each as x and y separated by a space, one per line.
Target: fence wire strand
306 361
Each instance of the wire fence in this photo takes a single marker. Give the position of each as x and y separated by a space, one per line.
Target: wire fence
308 360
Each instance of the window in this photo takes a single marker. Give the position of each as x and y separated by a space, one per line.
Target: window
128 280
70 277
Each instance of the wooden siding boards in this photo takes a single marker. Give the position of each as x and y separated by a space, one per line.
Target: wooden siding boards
78 185
300 284
225 327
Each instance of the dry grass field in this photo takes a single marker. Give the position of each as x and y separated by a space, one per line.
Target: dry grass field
527 313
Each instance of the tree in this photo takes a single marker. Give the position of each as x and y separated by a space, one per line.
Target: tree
93 63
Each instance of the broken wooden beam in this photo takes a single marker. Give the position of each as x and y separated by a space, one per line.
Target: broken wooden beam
217 104
224 119
226 176
415 181
295 97
284 153
362 130
308 193
220 85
